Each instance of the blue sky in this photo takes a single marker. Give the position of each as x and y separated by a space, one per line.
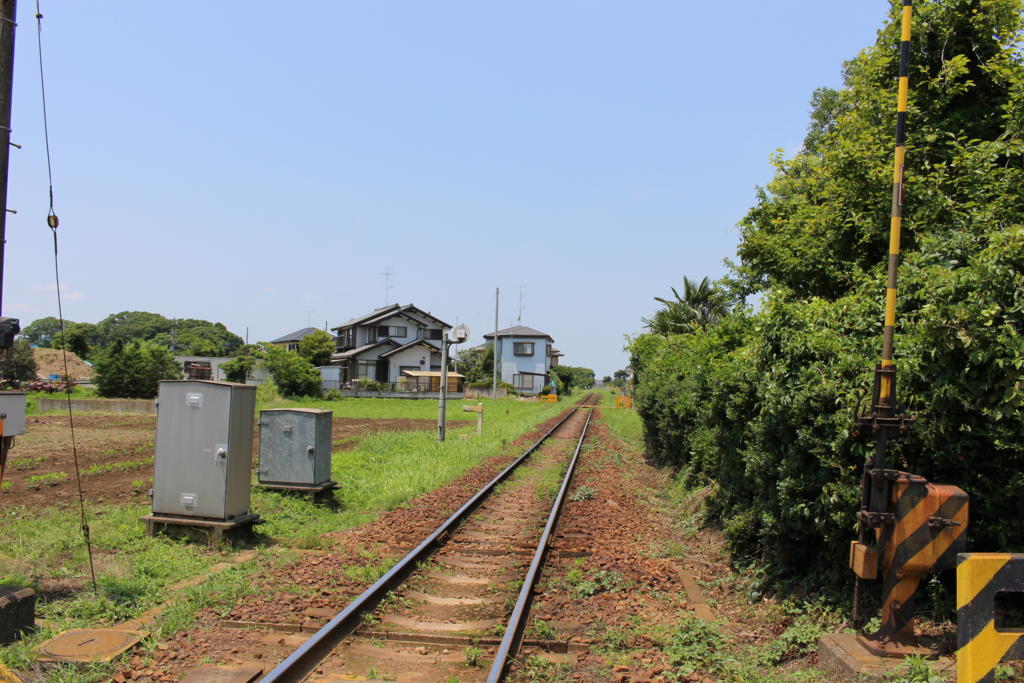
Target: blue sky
262 164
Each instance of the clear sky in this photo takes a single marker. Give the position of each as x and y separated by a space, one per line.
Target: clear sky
263 164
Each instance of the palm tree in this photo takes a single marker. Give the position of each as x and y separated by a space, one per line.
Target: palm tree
700 306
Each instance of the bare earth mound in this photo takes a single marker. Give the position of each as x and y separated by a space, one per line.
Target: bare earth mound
51 362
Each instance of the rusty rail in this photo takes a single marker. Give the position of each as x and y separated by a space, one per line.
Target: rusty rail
513 638
308 656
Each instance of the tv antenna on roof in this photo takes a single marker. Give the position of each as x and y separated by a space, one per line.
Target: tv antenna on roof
522 304
387 285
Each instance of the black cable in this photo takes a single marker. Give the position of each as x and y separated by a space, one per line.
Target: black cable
52 222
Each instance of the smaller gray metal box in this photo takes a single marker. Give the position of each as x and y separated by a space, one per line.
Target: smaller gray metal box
295 446
12 412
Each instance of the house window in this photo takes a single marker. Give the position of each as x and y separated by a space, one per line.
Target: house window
523 382
400 331
367 369
433 334
522 348
293 346
346 339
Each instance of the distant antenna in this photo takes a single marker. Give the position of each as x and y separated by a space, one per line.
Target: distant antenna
309 316
387 285
522 303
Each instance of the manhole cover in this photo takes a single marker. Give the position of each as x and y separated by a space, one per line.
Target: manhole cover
87 645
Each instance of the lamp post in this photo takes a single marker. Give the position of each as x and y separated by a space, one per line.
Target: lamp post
460 333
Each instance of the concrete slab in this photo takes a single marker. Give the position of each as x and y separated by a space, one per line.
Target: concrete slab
843 655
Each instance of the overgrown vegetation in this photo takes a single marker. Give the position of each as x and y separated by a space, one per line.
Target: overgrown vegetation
758 405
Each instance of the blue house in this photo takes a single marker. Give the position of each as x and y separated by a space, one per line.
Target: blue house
524 357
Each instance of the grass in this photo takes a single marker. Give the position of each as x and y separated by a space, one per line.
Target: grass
32 397
625 424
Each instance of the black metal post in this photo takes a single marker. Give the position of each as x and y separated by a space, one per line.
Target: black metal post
8 22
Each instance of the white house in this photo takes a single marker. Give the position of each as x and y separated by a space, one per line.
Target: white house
387 341
524 357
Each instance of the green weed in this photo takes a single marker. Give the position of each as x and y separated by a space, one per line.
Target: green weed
582 584
473 654
50 479
582 493
541 630
124 466
25 463
917 671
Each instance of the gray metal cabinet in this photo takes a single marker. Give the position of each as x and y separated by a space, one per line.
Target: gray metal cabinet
295 446
12 412
203 449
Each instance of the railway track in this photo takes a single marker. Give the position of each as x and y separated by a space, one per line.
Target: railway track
463 590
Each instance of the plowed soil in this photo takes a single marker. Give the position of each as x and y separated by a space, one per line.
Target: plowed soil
120 449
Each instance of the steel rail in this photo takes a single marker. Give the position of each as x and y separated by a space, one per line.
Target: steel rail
310 654
516 625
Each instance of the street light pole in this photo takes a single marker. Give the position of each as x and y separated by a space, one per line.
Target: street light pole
461 333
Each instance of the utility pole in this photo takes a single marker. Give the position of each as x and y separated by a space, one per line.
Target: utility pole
494 349
444 386
8 17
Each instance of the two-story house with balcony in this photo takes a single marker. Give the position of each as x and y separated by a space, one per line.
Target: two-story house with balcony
387 341
524 357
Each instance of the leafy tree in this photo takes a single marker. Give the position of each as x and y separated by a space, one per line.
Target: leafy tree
477 364
701 304
133 370
191 337
293 374
239 368
81 338
563 380
42 332
317 347
606 380
127 326
17 364
573 378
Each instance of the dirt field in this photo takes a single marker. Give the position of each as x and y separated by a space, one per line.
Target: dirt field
115 456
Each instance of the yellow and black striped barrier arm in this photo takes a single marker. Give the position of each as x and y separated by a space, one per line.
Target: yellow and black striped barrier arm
896 220
982 642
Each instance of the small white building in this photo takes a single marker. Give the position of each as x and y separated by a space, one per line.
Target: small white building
524 357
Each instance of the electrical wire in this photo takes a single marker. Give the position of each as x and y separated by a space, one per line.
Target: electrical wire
52 222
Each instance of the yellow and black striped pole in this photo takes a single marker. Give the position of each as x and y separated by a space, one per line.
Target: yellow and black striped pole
883 418
896 221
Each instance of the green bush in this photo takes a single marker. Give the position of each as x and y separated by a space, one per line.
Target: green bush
293 374
134 370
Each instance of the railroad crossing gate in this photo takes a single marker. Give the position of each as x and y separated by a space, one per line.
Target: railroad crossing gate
623 402
983 640
549 398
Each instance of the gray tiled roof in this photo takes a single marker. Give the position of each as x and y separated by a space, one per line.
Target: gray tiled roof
518 331
294 336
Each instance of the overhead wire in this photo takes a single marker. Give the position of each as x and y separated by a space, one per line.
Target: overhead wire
53 223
